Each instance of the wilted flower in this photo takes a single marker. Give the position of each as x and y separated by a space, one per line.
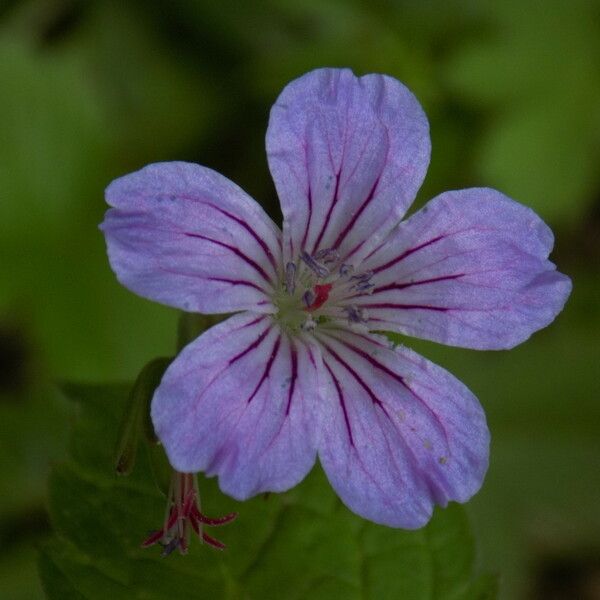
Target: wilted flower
184 517
298 371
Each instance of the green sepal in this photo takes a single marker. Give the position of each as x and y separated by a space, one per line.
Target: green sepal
137 414
159 466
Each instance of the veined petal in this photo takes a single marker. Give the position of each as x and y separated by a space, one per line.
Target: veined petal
399 433
347 155
470 269
183 235
238 402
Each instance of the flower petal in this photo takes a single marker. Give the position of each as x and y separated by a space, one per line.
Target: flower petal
470 269
347 155
238 403
183 235
399 433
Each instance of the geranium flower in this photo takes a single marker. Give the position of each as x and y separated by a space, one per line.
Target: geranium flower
299 371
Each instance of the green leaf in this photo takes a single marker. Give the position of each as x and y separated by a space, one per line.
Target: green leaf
541 403
49 114
137 414
18 580
536 73
34 428
302 544
156 102
110 96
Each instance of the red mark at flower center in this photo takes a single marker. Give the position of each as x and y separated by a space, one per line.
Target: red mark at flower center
321 292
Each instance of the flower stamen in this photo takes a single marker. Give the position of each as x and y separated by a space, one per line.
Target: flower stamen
317 268
363 277
346 270
328 255
364 286
355 314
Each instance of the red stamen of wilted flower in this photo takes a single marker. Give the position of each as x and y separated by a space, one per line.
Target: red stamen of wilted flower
184 516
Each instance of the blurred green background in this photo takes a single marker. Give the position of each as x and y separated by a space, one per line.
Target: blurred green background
90 90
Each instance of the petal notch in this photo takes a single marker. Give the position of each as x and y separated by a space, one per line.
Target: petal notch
469 269
400 434
347 155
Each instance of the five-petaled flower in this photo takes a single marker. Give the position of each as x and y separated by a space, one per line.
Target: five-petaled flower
298 370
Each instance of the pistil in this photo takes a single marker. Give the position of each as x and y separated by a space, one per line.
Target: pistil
317 284
320 296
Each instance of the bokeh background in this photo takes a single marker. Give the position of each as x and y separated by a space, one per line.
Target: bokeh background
92 89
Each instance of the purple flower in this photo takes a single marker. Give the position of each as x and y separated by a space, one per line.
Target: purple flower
298 370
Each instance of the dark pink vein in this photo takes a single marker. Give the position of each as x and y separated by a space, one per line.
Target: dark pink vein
354 250
309 198
253 322
342 403
408 252
236 251
352 372
311 357
334 201
251 231
378 248
406 306
403 286
411 455
267 370
252 346
294 376
359 212
236 282
397 378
